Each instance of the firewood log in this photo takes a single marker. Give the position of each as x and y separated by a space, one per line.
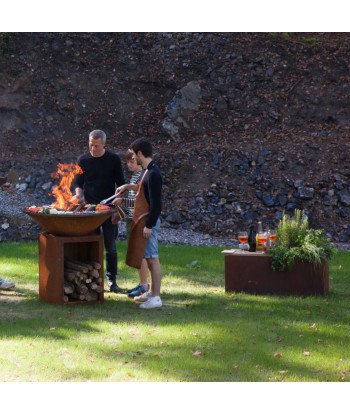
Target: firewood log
73 271
81 263
95 264
93 286
91 296
69 276
82 289
68 288
77 267
94 273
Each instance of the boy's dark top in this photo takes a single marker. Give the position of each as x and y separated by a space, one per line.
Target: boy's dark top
101 176
152 187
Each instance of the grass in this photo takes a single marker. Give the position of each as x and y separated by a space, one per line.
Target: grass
202 334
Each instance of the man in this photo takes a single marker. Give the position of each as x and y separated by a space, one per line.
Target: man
143 241
102 173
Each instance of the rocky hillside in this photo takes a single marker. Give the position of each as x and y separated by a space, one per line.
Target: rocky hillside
245 125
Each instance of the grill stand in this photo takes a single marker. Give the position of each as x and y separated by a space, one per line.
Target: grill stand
52 250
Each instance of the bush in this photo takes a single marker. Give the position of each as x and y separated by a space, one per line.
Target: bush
296 241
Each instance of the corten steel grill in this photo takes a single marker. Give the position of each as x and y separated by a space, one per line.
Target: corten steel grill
67 236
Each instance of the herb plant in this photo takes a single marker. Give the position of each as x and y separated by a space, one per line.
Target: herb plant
296 241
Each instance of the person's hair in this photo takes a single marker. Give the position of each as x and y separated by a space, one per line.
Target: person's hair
143 145
128 155
98 135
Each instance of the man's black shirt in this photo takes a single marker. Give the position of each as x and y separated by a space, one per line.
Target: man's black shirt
101 176
152 187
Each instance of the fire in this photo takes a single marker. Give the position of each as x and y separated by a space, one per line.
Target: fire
62 192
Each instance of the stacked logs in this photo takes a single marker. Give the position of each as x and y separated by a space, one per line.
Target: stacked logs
82 280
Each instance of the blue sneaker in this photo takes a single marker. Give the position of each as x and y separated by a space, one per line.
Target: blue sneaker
133 289
138 291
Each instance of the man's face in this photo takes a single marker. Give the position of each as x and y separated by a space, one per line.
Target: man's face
136 157
96 147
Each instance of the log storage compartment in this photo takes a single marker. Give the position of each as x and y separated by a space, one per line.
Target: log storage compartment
71 269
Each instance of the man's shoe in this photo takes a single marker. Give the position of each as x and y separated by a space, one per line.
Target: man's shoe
152 302
6 285
114 288
143 297
133 289
138 291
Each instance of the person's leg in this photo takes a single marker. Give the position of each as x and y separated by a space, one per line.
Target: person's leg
143 273
152 258
142 286
110 233
156 275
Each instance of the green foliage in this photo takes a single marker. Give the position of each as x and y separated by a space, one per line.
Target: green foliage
310 41
296 241
287 35
291 230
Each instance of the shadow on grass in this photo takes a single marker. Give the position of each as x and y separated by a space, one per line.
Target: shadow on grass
249 329
202 334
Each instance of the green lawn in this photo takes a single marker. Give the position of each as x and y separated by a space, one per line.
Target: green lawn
201 334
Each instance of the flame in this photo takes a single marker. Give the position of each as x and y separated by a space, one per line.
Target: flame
62 192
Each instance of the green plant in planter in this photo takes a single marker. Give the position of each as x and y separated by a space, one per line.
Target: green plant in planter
296 241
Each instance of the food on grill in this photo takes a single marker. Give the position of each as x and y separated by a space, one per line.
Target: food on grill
76 210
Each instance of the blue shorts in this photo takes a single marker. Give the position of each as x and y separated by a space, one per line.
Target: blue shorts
151 250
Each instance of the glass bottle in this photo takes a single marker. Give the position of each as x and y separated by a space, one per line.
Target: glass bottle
252 238
259 237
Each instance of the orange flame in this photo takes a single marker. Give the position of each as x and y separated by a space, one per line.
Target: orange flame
62 192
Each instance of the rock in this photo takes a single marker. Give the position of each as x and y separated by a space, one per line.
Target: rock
46 186
306 193
268 200
175 217
171 129
184 104
344 197
22 187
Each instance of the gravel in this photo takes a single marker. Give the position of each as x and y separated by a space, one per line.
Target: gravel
167 235
12 203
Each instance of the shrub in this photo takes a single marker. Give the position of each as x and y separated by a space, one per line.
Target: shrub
296 241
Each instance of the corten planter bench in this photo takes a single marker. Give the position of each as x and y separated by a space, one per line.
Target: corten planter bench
251 272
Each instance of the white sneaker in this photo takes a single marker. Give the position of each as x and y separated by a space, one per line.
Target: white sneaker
143 297
152 302
6 285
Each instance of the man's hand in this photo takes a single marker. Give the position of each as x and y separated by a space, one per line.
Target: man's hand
121 189
78 198
147 232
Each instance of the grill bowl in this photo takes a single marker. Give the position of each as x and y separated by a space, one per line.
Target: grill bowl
78 224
